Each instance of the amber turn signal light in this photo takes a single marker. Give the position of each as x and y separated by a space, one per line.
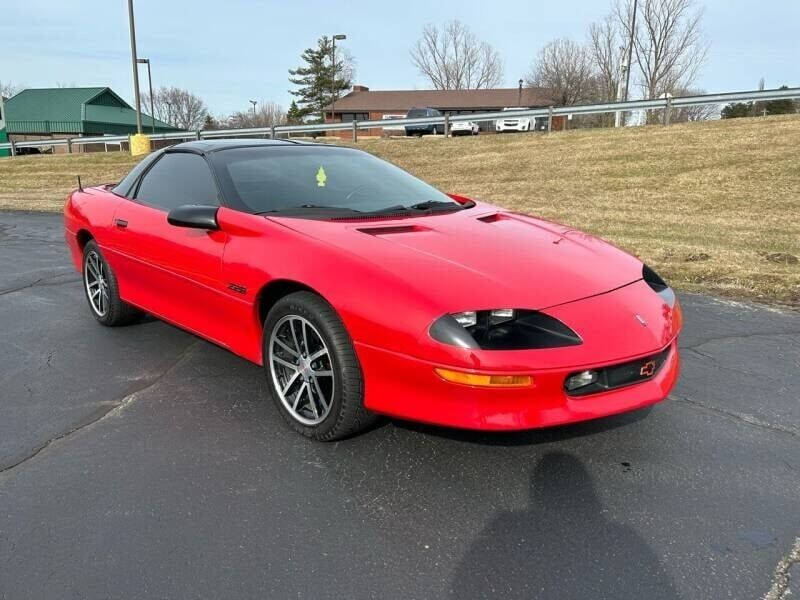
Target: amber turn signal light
485 380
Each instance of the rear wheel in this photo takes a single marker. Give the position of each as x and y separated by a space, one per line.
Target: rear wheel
312 370
102 291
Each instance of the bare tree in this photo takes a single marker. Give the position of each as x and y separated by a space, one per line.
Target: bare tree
668 43
8 89
606 48
178 107
267 114
704 112
452 58
565 67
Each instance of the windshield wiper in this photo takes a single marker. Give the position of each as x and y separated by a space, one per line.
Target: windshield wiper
436 205
387 210
304 207
427 206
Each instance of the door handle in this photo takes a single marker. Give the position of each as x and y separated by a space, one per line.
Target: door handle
122 223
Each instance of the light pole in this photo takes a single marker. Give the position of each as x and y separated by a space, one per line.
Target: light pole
146 61
338 36
519 94
135 69
254 102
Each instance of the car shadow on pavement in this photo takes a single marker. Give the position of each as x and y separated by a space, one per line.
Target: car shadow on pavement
529 436
561 546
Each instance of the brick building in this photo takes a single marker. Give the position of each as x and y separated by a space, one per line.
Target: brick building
362 104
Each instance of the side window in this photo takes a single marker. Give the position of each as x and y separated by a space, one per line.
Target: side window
178 178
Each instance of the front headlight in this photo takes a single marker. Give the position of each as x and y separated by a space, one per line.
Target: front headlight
470 317
503 329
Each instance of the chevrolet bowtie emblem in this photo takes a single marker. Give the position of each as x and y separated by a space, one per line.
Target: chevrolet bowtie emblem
648 368
641 320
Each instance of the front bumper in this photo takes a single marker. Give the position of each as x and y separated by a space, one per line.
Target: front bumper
406 387
518 127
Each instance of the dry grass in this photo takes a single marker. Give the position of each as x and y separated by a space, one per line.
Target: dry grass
42 182
715 207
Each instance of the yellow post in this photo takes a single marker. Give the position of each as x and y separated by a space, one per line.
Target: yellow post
140 144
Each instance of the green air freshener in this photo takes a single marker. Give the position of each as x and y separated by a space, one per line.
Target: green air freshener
321 177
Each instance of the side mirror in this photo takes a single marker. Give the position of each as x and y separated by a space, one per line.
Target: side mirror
195 216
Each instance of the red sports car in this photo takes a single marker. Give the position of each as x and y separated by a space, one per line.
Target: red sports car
363 290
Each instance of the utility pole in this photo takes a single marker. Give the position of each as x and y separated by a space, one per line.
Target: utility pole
254 102
338 36
630 55
623 68
150 82
135 69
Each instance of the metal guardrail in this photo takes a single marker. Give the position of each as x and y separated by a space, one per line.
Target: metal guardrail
551 111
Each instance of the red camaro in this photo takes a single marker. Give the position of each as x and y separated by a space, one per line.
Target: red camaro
362 290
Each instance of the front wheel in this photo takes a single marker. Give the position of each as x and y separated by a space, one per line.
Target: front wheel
312 370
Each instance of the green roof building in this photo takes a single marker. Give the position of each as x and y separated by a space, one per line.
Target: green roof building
72 112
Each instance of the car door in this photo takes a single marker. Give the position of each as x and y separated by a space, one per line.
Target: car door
173 272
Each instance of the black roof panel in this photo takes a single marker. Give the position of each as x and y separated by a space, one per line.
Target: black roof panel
212 145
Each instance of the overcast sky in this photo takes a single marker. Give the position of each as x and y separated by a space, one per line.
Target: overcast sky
231 51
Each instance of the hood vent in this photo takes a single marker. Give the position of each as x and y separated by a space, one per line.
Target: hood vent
393 229
494 218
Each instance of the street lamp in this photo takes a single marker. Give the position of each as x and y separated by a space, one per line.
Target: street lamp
519 94
254 102
338 36
146 61
135 69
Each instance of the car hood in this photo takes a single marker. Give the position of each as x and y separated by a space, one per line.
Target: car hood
480 258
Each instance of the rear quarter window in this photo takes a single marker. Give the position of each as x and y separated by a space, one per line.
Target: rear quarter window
125 187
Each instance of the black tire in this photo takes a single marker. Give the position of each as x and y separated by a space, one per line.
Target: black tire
347 414
116 312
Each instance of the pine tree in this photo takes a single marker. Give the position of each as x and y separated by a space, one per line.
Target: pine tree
316 79
210 123
781 107
735 110
294 115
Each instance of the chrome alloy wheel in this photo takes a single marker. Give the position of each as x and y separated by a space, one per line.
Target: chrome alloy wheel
96 282
301 368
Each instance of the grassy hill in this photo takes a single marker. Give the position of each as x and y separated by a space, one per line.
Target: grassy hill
714 207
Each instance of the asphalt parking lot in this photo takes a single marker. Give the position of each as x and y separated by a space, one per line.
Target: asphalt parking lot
143 462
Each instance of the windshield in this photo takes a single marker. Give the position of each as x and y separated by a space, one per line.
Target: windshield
318 178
